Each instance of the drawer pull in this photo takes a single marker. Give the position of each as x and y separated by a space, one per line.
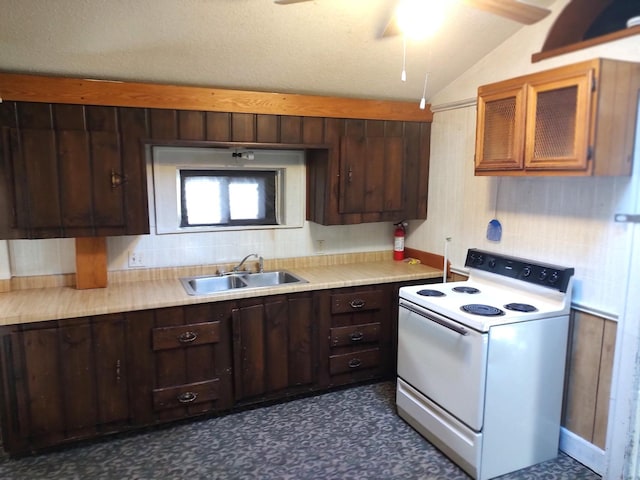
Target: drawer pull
187 397
187 337
356 336
357 303
355 363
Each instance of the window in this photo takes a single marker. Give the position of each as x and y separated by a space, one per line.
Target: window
217 197
201 189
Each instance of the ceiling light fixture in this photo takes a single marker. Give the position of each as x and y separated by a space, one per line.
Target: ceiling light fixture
421 19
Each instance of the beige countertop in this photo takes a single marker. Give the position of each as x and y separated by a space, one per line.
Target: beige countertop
39 304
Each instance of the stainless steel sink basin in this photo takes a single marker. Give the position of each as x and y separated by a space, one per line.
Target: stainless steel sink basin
211 284
271 279
205 285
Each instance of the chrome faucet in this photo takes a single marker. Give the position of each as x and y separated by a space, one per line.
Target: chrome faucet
260 262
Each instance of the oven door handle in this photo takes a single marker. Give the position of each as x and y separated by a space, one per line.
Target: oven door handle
440 321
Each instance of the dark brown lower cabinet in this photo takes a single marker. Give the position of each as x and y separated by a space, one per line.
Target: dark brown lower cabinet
181 361
63 381
81 378
275 347
358 326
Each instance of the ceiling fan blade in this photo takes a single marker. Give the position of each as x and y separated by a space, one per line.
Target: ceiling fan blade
391 29
288 2
512 9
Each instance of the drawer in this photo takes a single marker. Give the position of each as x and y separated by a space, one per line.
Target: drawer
355 334
357 301
186 394
165 338
351 362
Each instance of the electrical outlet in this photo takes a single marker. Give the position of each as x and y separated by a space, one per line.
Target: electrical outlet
136 259
320 247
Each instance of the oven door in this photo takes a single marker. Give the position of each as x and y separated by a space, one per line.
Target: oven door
443 360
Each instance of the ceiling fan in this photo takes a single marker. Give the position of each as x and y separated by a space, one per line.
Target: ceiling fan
512 9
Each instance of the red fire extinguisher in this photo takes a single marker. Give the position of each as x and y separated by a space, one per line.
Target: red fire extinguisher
398 241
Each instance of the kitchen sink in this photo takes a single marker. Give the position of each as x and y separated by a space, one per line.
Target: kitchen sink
208 284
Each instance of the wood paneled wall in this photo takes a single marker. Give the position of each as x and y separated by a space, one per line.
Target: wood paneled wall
588 379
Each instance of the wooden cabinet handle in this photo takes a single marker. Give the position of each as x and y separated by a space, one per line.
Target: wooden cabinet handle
118 371
357 303
355 363
187 337
350 174
187 397
356 336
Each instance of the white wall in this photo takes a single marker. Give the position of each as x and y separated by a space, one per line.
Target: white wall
48 257
568 221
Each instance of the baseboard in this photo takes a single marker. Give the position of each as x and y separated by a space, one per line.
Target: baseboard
584 452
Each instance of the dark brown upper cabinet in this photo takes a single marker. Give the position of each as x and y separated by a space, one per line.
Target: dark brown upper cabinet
376 171
72 171
75 170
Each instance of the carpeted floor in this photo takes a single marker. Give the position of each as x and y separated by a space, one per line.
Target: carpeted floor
347 434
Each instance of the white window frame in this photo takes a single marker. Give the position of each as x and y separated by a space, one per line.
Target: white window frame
165 163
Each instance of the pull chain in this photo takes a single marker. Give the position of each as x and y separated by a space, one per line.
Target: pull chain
423 101
403 76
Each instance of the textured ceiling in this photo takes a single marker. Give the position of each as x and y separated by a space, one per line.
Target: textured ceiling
324 47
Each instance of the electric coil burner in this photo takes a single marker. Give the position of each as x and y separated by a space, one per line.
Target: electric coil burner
479 309
465 290
430 293
520 307
483 380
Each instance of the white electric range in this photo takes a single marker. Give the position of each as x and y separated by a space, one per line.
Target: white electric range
481 362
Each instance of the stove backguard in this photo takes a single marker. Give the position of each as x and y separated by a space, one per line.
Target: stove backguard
537 273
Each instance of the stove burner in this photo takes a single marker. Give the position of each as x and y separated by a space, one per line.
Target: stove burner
430 293
520 307
466 289
484 310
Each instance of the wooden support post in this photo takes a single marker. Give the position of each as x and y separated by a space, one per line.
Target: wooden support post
91 262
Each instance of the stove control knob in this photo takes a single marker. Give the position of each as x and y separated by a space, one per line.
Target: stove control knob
543 275
477 259
526 271
492 263
554 278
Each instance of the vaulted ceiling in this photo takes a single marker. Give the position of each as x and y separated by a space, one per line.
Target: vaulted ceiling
324 47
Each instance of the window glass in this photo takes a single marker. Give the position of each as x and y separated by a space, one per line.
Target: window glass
228 197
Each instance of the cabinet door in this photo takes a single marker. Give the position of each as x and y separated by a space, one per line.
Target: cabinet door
111 369
558 123
500 130
63 182
274 348
72 171
63 383
371 174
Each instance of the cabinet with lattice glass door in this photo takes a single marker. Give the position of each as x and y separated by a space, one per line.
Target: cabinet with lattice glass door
558 122
500 131
573 120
